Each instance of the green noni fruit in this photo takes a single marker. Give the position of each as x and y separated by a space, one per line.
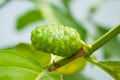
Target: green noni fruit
56 39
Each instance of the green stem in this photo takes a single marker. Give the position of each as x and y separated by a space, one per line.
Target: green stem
105 38
102 67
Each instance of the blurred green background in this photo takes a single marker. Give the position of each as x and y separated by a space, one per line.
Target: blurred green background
91 18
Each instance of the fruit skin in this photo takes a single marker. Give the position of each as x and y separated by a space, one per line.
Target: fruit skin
56 39
72 67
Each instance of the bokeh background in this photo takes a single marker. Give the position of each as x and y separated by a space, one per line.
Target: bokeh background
89 13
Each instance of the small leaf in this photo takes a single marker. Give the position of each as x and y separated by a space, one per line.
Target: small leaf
113 66
28 51
28 18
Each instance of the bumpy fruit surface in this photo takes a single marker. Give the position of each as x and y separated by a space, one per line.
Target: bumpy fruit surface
56 39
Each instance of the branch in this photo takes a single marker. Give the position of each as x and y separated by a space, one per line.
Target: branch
105 38
56 65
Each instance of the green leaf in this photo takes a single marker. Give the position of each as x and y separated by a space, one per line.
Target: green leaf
43 58
76 76
28 51
14 67
112 48
11 59
16 73
28 18
114 67
111 67
60 15
49 76
24 49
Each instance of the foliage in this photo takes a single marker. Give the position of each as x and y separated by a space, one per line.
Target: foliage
28 18
24 62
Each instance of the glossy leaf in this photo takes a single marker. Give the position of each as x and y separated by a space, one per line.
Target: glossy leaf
28 18
114 67
60 15
28 51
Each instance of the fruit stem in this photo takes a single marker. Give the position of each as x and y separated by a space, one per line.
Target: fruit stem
105 38
58 64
